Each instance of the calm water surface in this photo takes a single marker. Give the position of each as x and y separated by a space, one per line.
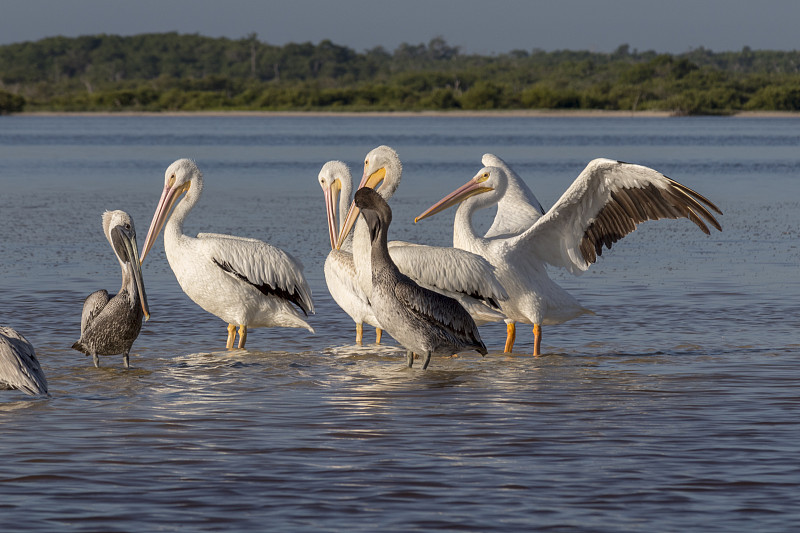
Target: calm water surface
675 408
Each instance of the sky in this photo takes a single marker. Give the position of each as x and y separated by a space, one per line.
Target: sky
476 26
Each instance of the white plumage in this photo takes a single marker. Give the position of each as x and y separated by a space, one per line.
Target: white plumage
19 368
340 273
468 278
605 203
245 282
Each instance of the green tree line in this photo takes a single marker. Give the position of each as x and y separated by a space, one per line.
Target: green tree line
169 71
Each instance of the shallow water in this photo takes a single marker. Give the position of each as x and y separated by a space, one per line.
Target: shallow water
675 407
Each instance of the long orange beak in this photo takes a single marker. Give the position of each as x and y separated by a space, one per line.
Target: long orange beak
372 181
471 188
331 203
168 198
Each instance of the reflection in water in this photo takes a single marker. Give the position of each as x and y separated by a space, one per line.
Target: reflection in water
674 408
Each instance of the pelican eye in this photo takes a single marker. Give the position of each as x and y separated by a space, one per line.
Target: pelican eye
127 226
172 180
484 177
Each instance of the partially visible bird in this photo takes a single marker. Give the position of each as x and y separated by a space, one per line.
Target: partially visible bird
423 321
110 324
19 368
340 273
605 203
457 273
245 282
518 208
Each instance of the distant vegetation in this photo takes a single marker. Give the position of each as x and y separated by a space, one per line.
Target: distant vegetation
166 72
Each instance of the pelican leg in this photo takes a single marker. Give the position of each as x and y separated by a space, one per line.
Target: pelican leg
96 360
126 360
359 333
511 336
378 334
231 336
537 339
242 335
427 360
410 358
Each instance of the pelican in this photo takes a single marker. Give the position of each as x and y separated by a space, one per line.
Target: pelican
518 209
605 203
459 274
337 185
19 368
110 324
423 321
245 282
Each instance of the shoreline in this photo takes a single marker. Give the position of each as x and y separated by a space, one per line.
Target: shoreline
514 113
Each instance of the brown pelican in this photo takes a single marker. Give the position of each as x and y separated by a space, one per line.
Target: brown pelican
245 282
109 325
340 273
456 273
423 321
605 203
19 368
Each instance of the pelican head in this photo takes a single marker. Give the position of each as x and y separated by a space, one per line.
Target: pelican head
488 179
180 177
382 172
377 213
121 234
333 178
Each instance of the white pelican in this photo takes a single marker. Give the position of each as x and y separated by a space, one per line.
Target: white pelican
459 274
245 282
340 272
518 209
110 325
605 203
19 368
423 321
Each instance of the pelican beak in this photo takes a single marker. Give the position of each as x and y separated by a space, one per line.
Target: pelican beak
471 188
331 201
168 198
372 181
127 249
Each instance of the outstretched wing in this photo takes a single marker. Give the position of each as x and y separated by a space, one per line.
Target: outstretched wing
267 268
604 204
448 269
518 209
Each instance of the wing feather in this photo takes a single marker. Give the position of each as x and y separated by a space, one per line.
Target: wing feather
92 306
448 269
443 311
19 367
267 268
607 201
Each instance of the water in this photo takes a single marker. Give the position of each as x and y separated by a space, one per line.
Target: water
675 407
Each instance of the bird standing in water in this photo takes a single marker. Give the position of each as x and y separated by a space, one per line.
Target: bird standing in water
243 281
110 324
340 272
423 321
605 203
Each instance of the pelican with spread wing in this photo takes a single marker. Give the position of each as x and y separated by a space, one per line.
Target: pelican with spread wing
245 282
604 204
